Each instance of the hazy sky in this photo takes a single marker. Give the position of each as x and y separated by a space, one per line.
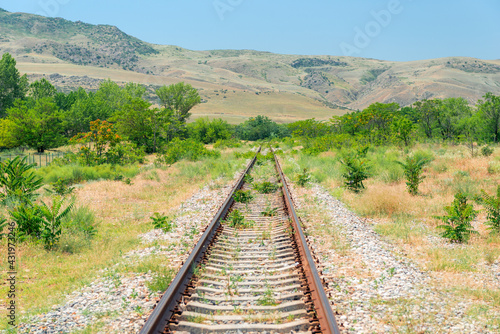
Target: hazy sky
383 29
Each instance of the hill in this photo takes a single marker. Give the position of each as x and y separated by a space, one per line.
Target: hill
236 84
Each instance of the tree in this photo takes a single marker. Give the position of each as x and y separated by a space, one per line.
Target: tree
180 98
38 126
100 138
489 109
42 89
12 85
136 122
427 112
451 111
403 129
457 223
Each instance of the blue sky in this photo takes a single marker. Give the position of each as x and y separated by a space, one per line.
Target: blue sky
383 29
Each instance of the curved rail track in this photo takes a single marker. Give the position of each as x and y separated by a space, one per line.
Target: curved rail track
252 279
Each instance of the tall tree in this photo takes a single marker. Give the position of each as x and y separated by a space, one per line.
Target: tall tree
39 126
489 109
41 89
180 98
12 85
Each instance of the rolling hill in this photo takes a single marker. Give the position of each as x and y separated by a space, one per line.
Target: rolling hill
236 84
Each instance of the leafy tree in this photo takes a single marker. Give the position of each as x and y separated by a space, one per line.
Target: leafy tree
42 89
460 214
403 129
7 138
96 142
489 109
180 98
12 85
451 111
208 132
428 113
310 128
136 121
39 126
470 128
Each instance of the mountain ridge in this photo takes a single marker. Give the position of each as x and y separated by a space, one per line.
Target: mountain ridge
332 84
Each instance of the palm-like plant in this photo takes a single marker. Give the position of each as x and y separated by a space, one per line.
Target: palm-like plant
52 217
492 206
458 226
18 180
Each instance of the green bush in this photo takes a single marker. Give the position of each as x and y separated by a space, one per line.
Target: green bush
486 151
303 178
188 149
236 219
266 187
458 220
242 196
162 222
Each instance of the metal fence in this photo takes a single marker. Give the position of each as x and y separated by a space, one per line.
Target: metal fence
38 159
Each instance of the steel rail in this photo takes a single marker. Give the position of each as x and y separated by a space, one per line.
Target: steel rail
159 318
324 311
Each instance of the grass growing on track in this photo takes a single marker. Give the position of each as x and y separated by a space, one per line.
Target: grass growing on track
122 213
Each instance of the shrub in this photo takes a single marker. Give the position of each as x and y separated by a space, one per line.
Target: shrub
458 226
492 206
60 187
413 168
162 222
486 151
269 211
237 220
184 149
248 178
18 181
356 169
28 220
266 187
303 178
242 196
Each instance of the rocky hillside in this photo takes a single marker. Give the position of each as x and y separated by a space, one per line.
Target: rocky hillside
75 49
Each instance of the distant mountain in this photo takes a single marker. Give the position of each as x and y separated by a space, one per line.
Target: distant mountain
237 82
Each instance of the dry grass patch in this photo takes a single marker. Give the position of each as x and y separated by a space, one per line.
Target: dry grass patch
122 213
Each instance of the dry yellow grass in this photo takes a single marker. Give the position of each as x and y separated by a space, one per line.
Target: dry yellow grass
122 212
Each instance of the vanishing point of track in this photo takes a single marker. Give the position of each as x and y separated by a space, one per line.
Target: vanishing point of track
256 279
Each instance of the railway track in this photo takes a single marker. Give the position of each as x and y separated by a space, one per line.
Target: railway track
251 271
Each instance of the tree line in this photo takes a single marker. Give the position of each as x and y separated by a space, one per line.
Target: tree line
37 116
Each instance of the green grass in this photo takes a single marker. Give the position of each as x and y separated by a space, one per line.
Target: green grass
79 174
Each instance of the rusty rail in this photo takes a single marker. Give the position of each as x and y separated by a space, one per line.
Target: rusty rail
324 312
166 307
